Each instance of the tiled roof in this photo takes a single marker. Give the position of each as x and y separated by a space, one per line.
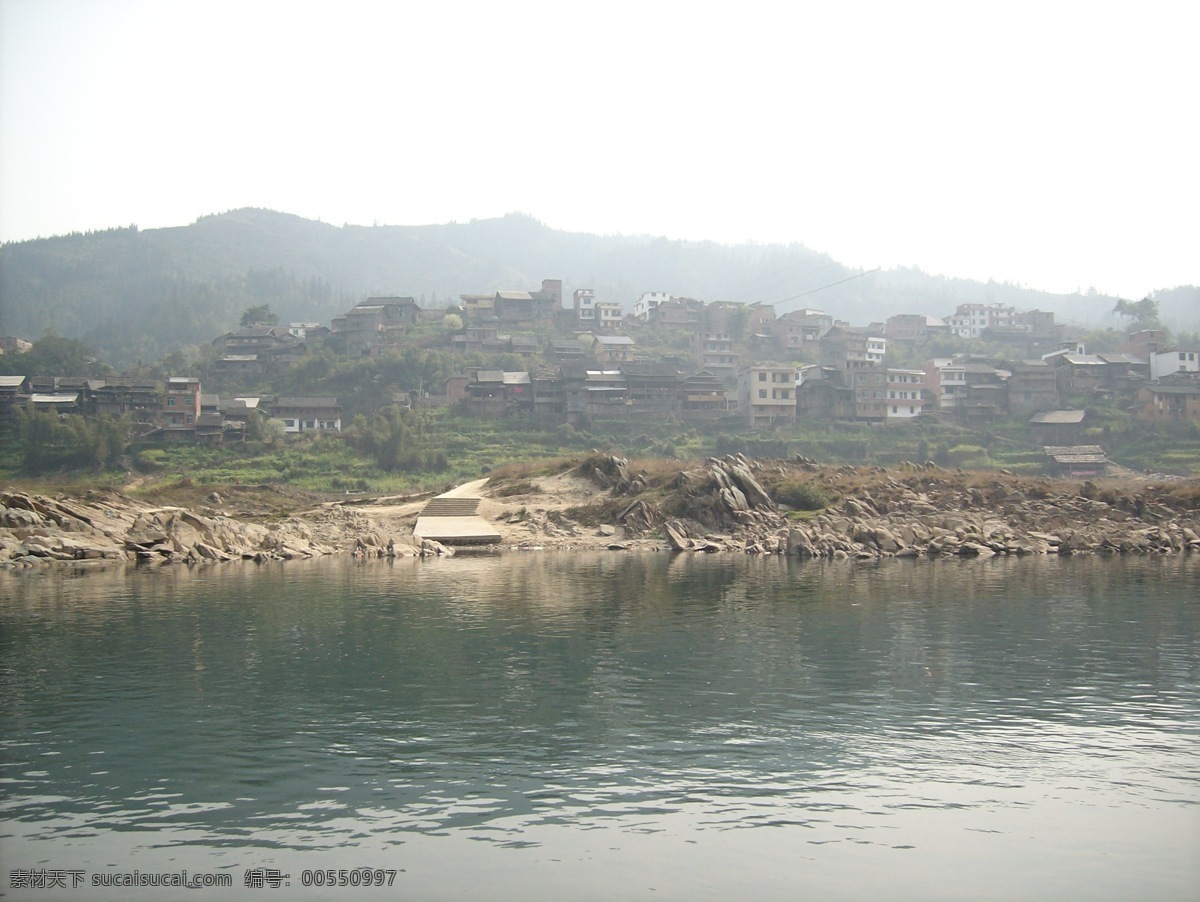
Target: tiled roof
1058 417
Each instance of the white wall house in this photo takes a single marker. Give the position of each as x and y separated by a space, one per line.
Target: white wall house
905 394
876 350
307 414
646 304
1164 363
969 320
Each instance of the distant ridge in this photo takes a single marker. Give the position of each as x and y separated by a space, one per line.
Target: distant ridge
139 295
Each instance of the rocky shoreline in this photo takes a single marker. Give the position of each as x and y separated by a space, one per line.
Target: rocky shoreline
110 529
726 505
937 514
720 505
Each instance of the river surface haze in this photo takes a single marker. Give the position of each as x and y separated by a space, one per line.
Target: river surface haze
608 726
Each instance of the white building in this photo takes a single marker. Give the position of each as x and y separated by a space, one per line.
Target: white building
905 394
1164 363
969 320
647 303
876 351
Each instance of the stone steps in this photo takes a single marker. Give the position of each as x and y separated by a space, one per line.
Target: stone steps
451 507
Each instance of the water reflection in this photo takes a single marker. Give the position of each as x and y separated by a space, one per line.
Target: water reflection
337 705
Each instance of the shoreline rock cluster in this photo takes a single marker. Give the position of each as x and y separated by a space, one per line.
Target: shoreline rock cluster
112 530
925 511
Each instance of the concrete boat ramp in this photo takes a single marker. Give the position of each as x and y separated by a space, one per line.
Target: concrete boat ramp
453 518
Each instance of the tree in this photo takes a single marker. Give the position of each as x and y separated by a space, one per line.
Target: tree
47 441
54 355
1141 314
259 315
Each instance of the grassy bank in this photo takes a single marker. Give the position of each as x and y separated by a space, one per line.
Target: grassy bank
447 449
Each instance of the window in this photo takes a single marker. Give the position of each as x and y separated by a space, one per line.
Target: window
762 377
170 402
894 410
762 392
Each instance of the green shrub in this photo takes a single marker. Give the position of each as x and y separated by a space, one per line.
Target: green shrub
150 460
969 457
800 495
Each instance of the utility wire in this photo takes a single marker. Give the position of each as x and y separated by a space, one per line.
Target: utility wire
830 285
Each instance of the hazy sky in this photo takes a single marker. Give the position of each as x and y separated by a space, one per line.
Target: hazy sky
1049 144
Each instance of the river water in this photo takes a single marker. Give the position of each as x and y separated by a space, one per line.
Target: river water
602 726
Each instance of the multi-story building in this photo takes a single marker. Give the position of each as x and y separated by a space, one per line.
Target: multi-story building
663 311
905 394
767 394
702 393
1145 342
610 316
876 350
1174 399
947 381
585 307
823 392
644 307
760 319
374 321
970 320
1032 387
849 349
564 350
651 386
612 348
117 397
1165 363
1038 323
522 307
181 401
646 303
714 352
725 317
476 305
870 391
883 395
913 328
801 330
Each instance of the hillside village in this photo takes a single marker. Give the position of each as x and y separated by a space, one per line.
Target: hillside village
671 359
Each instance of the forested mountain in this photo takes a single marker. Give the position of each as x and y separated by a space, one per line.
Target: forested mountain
139 295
